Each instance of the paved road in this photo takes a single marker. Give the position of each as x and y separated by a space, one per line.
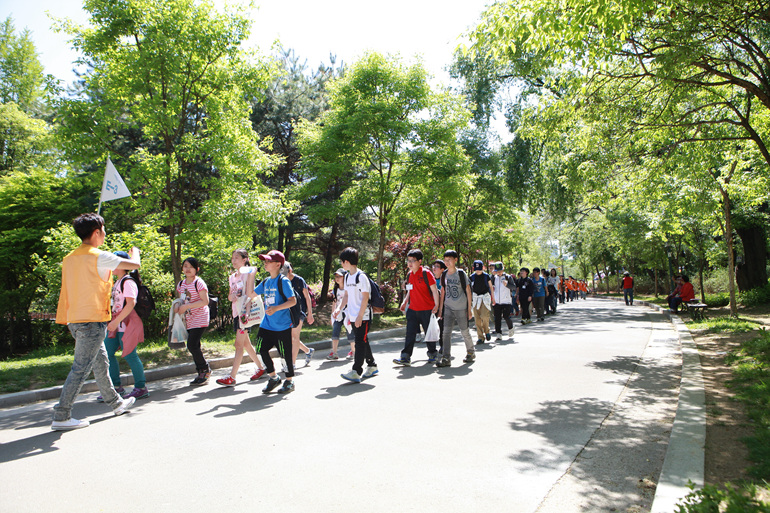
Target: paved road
574 416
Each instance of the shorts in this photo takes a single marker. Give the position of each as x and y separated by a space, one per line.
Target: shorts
237 326
337 328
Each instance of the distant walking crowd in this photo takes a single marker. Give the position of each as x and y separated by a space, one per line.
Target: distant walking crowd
104 316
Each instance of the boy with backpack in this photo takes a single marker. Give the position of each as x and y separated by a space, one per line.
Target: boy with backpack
359 311
483 300
505 288
455 305
303 310
526 289
420 302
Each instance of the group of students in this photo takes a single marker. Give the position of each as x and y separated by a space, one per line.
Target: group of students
102 317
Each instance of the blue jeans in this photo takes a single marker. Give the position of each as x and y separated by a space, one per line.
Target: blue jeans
628 295
90 353
415 319
137 369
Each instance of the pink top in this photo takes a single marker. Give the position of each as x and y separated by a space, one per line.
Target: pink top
196 317
132 326
237 281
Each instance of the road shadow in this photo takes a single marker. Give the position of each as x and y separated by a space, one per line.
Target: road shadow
345 389
249 404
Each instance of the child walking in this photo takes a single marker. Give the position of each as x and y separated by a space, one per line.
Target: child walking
129 333
240 285
456 306
275 330
194 293
338 322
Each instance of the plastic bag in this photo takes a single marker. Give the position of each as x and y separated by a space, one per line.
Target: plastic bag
433 332
252 311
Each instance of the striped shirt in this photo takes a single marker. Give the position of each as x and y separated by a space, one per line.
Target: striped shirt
196 317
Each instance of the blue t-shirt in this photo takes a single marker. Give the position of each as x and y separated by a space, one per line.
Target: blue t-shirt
539 287
280 320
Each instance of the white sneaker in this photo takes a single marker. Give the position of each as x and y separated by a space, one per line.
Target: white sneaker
68 425
352 375
370 371
127 403
498 336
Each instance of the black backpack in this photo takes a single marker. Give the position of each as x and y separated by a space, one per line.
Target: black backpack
145 303
295 310
376 299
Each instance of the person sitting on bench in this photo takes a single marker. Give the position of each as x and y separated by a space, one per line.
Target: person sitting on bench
686 293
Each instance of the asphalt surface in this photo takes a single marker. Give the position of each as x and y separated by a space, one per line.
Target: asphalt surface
574 416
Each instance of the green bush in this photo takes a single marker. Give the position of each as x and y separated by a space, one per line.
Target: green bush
755 297
711 499
718 299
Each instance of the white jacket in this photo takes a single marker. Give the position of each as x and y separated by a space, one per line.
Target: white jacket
502 293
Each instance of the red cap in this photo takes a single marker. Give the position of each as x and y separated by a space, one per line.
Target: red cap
273 256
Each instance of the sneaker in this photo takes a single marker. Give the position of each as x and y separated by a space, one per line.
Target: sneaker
480 341
332 356
138 393
202 378
226 382
488 336
350 355
444 362
529 321
119 390
287 388
352 375
272 383
402 361
125 405
432 357
523 322
308 356
68 425
370 371
498 336
257 375
540 319
470 357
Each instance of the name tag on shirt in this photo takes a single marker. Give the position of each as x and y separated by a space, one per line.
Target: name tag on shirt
409 286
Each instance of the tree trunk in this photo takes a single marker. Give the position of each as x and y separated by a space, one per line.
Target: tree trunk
752 273
381 248
328 264
700 279
656 281
608 277
730 252
176 267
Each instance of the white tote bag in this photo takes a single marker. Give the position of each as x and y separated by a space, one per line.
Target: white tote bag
252 311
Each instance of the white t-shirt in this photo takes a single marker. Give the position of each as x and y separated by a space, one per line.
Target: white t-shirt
355 295
107 262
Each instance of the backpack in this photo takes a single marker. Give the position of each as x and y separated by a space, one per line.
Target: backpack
213 303
294 311
313 300
145 304
376 299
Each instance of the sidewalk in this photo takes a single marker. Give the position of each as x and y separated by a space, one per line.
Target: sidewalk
161 373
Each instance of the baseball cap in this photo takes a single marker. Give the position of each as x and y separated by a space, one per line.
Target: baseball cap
340 271
478 265
498 266
273 256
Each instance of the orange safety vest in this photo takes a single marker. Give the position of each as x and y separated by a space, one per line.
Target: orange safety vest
85 296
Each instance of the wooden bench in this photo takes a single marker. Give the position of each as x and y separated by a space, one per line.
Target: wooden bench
697 310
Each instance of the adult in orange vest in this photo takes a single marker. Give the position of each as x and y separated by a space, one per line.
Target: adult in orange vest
84 306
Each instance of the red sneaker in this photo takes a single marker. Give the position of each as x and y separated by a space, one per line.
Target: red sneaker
259 374
226 382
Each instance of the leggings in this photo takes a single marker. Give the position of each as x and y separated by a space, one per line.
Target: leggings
194 346
281 340
137 369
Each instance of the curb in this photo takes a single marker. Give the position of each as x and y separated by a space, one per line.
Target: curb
685 460
47 394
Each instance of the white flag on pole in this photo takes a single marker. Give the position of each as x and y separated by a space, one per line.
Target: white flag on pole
113 186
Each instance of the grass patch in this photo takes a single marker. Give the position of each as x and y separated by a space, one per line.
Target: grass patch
724 324
751 381
49 366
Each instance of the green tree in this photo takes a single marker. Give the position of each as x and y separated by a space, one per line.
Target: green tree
395 134
21 75
173 74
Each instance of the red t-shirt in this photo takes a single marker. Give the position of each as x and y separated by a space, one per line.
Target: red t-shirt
688 292
421 296
628 282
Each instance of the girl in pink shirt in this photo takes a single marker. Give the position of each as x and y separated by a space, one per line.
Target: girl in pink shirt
195 294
